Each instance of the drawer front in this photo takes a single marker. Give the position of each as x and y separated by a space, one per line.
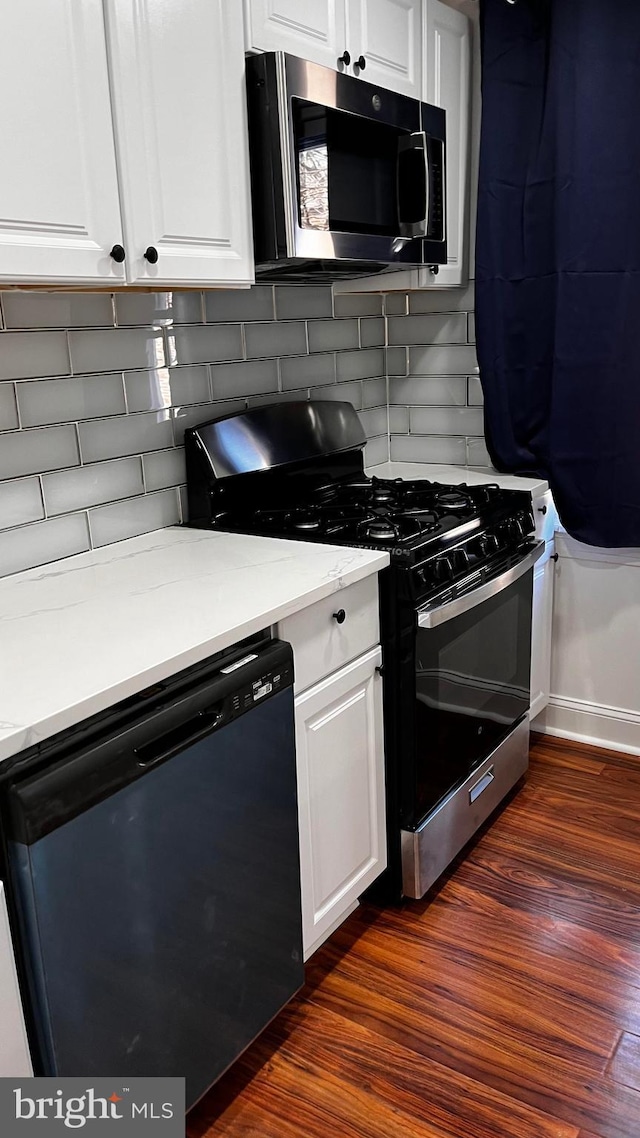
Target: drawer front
321 643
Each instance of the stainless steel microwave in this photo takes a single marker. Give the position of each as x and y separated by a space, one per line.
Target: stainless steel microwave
347 178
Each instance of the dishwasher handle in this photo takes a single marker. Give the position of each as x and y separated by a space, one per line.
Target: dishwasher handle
167 745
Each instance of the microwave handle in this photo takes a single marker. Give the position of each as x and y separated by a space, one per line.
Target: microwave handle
410 145
430 617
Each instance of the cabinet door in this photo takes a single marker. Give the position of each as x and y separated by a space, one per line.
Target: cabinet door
311 29
388 33
448 85
340 758
541 632
14 1053
59 212
177 72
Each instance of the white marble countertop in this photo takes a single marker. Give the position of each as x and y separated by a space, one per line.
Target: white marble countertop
474 476
81 634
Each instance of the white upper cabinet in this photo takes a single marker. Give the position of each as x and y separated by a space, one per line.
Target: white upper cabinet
387 36
448 85
59 211
310 29
177 73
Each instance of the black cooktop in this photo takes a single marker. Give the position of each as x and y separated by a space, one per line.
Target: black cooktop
406 518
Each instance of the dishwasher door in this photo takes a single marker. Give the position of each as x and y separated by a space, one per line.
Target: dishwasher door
161 924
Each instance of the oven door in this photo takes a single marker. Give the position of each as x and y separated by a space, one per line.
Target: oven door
472 683
364 169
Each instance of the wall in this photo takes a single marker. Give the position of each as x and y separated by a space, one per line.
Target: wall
435 399
96 391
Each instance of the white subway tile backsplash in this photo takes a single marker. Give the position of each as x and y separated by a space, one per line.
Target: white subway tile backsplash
343 392
445 421
71 490
287 339
376 451
8 406
297 371
164 468
440 360
20 502
372 332
296 303
47 401
397 361
447 391
422 448
27 355
227 307
442 300
374 393
432 329
477 453
471 328
159 308
375 421
131 434
191 344
31 452
35 309
116 349
399 420
367 363
256 346
330 335
475 397
38 544
254 377
129 519
184 417
166 387
395 304
358 304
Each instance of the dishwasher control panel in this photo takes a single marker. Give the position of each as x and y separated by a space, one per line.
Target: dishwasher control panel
257 689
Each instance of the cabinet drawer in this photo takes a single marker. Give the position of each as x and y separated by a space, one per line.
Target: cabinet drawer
320 643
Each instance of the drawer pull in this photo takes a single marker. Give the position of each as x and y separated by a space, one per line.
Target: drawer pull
542 509
482 785
340 616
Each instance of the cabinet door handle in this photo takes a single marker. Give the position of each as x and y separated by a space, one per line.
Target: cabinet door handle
151 254
344 58
361 62
118 254
542 509
554 556
340 616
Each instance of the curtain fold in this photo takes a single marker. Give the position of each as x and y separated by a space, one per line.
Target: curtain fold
558 255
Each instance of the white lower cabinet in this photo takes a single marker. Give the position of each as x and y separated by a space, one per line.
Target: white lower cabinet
340 755
15 1061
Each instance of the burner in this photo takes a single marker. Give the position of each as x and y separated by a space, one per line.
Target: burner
306 522
452 500
384 490
381 530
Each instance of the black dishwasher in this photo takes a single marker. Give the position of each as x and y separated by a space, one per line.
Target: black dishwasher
152 862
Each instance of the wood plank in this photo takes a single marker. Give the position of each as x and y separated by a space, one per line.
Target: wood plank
505 1005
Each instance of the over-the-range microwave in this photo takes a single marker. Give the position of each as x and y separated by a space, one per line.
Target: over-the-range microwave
347 178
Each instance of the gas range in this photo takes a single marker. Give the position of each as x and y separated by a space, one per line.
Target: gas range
455 606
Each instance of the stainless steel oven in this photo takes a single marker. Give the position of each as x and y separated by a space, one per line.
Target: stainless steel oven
466 743
347 177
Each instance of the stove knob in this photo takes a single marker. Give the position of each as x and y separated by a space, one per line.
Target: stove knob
460 560
489 544
443 569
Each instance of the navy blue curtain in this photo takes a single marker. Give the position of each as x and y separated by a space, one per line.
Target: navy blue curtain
558 254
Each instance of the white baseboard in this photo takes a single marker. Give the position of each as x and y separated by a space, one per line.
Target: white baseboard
614 728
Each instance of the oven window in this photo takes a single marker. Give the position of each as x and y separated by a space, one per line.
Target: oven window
346 167
472 687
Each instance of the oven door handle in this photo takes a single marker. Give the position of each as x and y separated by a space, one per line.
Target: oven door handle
430 617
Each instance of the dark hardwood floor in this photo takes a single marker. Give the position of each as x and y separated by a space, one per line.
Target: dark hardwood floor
505 1005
